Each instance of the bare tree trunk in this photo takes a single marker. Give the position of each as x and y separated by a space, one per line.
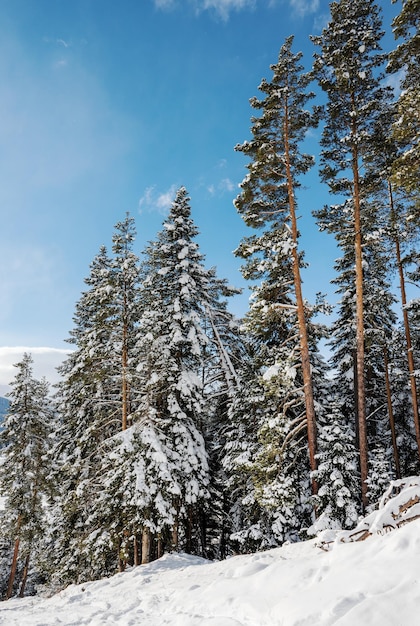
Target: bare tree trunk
145 545
13 569
410 355
175 529
24 576
13 566
136 556
159 546
391 416
124 418
360 331
302 324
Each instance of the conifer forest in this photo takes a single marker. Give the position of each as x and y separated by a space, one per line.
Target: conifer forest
178 427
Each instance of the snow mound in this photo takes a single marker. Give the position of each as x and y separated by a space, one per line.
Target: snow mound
373 583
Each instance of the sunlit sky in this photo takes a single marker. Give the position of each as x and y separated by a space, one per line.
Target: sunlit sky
108 107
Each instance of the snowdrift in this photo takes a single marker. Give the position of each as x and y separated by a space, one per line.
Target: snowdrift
375 582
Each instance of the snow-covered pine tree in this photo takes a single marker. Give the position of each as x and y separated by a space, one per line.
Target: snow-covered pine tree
268 202
95 401
86 399
348 69
379 323
125 284
247 527
401 223
337 503
223 357
406 59
167 424
24 471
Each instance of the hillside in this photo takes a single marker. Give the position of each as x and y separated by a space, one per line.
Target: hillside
4 406
369 583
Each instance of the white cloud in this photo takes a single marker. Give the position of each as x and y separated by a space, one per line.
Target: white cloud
224 185
152 200
222 8
321 21
164 4
63 43
46 360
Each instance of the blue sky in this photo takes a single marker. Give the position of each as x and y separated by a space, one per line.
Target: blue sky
109 107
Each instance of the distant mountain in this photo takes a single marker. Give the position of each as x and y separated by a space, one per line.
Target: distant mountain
4 407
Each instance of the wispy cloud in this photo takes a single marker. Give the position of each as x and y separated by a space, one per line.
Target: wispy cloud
224 8
154 200
63 43
304 7
223 186
221 8
46 360
165 4
321 21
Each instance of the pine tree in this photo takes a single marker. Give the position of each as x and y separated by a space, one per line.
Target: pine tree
406 58
268 200
87 403
247 524
398 212
170 347
348 70
24 472
336 503
125 276
95 402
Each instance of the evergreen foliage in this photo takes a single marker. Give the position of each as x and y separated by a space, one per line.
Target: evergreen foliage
25 473
406 59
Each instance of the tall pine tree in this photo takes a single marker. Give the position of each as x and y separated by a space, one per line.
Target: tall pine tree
348 70
268 202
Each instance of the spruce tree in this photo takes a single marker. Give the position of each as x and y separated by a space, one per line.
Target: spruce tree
406 58
398 214
336 503
95 400
24 472
268 202
348 70
171 344
87 400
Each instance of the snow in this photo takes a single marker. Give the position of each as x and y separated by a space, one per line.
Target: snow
373 582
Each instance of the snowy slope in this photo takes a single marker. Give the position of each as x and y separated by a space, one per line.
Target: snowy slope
375 582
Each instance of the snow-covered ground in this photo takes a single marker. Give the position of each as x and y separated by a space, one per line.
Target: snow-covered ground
375 582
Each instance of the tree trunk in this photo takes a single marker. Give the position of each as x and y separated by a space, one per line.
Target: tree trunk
360 331
13 568
410 355
175 527
124 390
136 556
302 324
391 416
159 546
145 545
24 576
